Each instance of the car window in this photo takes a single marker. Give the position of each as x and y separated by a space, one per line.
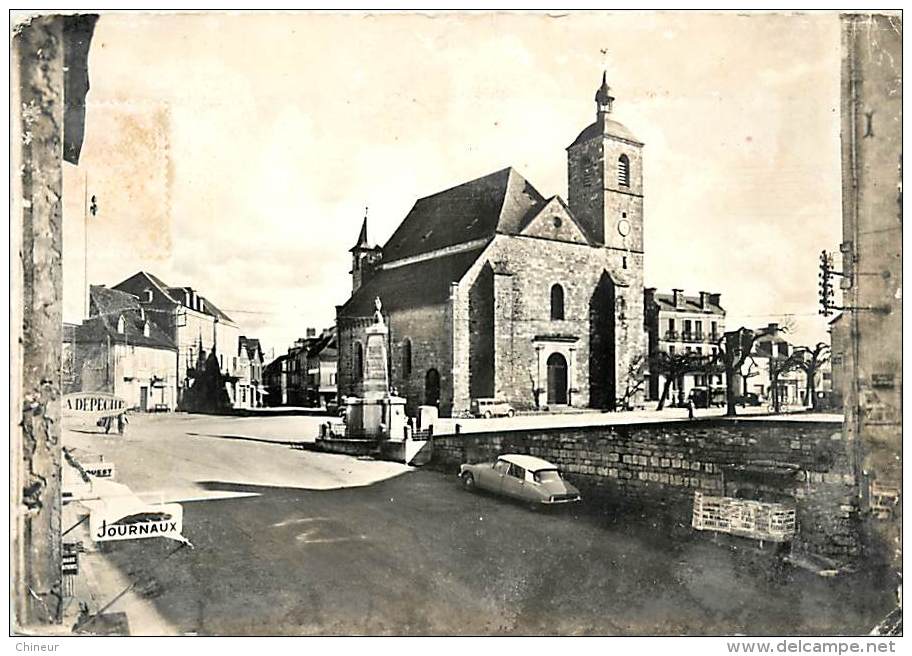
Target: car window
501 467
517 472
547 476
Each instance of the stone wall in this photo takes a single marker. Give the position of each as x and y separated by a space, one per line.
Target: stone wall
660 465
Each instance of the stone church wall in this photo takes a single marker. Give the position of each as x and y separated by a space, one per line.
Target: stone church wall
524 270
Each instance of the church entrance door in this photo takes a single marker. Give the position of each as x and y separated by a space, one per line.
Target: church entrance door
432 387
557 379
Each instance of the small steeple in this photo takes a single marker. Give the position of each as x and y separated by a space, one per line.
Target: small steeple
362 237
603 97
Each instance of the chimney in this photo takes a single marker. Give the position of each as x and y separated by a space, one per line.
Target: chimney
678 297
705 300
772 328
715 299
311 332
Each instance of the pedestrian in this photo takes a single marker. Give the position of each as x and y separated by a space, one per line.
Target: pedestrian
690 408
122 422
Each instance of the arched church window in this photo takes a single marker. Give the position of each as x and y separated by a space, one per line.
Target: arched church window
624 171
406 358
557 302
358 361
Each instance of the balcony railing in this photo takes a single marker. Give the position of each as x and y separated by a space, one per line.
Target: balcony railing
672 335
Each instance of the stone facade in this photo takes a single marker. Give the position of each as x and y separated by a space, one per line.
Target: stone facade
870 339
492 290
660 465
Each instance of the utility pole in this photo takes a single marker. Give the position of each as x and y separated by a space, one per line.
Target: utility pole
35 502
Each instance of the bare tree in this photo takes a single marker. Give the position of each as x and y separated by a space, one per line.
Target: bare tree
635 380
733 349
810 361
674 366
778 366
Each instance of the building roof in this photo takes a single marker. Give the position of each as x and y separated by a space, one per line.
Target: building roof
110 301
691 304
501 202
419 284
110 305
324 344
176 295
251 345
605 127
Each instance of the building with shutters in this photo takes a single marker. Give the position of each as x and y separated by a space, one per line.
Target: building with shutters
677 323
492 289
119 350
190 320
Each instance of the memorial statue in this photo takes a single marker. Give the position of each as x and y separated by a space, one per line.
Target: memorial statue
378 317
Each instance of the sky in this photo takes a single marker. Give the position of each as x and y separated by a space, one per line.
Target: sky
237 153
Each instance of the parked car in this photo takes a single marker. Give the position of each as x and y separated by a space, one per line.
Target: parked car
750 398
706 398
491 408
521 477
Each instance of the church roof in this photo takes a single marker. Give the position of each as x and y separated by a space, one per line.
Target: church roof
502 202
605 127
422 283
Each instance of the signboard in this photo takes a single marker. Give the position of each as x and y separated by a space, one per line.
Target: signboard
99 469
95 404
146 521
882 380
69 561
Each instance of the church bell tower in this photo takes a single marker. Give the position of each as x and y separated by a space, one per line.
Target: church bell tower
605 179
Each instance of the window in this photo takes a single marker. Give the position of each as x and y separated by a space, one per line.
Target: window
243 394
557 302
715 328
671 325
699 328
146 331
332 379
557 222
406 358
358 361
783 348
517 472
501 467
624 171
699 350
671 350
624 261
121 325
147 296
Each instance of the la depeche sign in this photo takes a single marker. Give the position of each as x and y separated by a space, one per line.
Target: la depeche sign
96 404
160 521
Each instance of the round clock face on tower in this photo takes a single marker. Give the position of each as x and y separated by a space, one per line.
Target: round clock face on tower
623 227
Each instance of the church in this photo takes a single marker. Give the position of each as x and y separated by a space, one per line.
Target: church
490 289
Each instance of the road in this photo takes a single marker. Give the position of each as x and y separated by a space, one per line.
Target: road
295 542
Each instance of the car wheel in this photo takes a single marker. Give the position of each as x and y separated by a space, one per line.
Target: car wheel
511 413
488 414
468 481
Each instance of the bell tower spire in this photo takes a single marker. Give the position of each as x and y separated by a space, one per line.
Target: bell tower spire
364 257
603 98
